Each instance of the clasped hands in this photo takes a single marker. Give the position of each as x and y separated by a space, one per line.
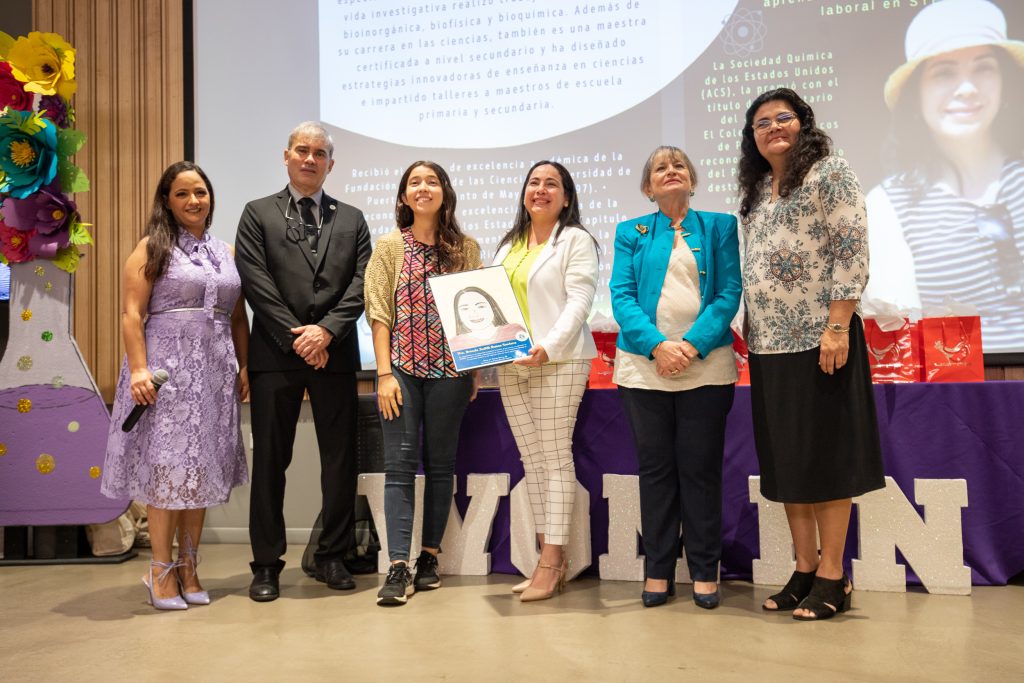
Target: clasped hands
311 344
673 357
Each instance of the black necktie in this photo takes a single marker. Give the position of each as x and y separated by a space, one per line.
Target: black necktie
308 222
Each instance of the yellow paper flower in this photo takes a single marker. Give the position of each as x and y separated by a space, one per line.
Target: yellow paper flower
44 62
22 153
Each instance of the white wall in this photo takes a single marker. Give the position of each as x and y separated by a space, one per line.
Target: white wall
229 523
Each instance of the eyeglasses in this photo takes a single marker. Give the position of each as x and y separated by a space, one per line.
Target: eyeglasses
297 229
783 119
995 224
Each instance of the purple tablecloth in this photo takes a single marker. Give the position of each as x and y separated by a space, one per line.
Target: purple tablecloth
929 431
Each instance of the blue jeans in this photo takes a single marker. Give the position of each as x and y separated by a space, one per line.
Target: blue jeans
436 405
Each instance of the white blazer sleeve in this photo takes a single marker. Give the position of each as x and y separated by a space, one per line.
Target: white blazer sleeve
579 275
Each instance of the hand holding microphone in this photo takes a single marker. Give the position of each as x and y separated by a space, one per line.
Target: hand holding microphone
159 378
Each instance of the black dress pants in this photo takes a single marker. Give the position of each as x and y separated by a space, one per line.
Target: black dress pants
680 438
276 401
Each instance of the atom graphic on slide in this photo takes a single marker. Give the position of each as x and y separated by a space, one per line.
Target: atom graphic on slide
744 33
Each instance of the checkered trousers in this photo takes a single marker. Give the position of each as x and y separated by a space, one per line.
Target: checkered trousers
541 405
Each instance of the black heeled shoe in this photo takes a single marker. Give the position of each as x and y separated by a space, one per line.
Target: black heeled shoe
796 589
708 600
828 597
655 598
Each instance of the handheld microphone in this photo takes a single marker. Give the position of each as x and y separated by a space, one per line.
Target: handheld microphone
160 377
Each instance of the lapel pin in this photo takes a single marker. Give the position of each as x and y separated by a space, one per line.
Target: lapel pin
333 207
641 228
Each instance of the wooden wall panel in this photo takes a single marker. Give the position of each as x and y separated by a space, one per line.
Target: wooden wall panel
129 102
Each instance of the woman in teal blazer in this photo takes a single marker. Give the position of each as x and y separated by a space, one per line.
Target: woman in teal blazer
675 288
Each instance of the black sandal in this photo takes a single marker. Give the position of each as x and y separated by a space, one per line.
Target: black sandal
796 589
828 597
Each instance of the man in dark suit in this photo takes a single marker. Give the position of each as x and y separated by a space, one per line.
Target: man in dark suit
301 255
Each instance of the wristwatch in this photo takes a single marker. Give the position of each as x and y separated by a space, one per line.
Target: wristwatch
837 328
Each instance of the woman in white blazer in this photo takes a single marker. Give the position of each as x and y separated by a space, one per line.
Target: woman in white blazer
551 261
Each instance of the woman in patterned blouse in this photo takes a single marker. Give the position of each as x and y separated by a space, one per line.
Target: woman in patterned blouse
805 264
417 384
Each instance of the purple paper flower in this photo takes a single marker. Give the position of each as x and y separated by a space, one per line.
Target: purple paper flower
46 246
57 109
47 211
45 216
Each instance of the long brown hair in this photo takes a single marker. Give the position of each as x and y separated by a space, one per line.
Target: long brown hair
161 229
451 241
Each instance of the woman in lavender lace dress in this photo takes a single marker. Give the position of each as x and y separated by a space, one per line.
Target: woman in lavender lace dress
183 313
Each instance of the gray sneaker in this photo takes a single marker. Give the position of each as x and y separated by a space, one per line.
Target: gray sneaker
426 572
397 586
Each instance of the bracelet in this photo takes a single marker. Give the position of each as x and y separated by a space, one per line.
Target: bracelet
383 374
837 328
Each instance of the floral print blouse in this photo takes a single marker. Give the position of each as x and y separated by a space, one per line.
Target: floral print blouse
801 253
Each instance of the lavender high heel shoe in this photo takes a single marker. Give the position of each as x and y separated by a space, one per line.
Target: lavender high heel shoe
175 602
188 557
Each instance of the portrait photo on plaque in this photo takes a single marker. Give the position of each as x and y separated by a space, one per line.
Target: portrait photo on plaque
481 318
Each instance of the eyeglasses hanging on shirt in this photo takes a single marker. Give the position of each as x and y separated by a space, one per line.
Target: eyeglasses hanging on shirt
995 224
304 226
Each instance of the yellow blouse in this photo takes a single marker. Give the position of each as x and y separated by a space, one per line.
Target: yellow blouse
517 264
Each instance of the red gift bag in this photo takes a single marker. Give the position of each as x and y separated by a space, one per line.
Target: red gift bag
603 366
951 348
740 353
894 356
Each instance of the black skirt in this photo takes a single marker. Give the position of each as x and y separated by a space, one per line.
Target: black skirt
816 434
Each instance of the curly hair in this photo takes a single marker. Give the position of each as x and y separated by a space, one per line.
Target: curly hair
812 144
161 229
451 241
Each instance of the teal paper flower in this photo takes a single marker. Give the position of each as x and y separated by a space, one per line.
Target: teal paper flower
28 152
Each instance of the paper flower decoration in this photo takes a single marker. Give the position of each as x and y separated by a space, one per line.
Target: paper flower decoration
28 152
14 245
37 143
49 213
67 259
12 91
57 109
42 61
